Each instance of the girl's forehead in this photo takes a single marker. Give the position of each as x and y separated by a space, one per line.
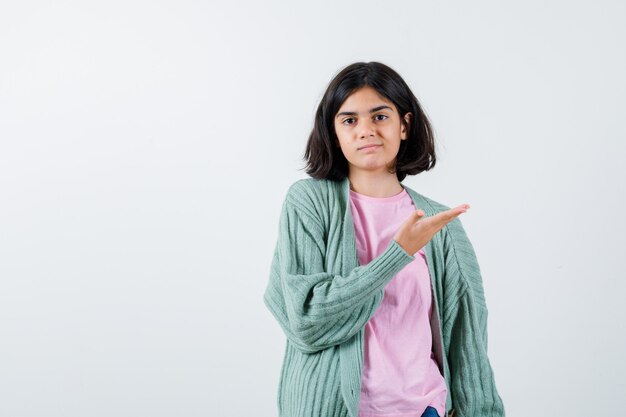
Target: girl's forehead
365 99
365 93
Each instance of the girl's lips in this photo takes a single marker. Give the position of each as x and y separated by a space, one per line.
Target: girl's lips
370 147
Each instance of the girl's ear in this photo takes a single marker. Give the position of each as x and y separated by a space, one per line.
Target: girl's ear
407 119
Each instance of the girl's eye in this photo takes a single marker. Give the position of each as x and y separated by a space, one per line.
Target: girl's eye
350 118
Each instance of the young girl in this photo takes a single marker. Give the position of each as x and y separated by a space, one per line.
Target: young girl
376 287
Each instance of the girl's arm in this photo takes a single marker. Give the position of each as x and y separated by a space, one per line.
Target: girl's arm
315 308
473 387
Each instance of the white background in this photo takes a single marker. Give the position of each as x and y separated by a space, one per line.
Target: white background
146 147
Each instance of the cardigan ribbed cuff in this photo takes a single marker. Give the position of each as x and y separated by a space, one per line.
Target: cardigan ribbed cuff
391 261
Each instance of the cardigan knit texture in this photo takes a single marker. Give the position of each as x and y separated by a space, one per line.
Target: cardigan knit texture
322 299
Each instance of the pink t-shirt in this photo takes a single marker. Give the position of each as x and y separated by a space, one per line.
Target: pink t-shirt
400 374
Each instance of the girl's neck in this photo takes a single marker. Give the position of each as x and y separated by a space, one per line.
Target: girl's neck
375 186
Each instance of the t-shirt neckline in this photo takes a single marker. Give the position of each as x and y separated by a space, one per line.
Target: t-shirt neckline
367 198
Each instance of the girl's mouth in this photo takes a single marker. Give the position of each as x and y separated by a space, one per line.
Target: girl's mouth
370 147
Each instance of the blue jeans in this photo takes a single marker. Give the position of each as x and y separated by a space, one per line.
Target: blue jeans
430 412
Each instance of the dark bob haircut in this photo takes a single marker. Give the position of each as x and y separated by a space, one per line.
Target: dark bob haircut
325 160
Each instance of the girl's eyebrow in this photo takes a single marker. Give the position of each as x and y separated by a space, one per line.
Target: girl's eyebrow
352 113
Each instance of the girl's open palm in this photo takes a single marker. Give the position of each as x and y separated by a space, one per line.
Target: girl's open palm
417 230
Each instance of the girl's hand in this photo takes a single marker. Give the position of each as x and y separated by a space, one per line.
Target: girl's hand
417 230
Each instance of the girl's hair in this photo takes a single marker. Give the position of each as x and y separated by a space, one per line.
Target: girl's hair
416 153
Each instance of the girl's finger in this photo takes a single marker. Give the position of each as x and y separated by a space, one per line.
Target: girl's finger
459 209
448 215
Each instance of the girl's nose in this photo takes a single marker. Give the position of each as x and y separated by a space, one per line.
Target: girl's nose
367 128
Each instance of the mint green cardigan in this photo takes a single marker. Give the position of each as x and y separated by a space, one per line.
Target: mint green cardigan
322 298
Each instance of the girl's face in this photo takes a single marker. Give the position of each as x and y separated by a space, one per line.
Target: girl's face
369 131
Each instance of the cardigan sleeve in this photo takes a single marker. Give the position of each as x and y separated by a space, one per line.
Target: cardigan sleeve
315 307
472 381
